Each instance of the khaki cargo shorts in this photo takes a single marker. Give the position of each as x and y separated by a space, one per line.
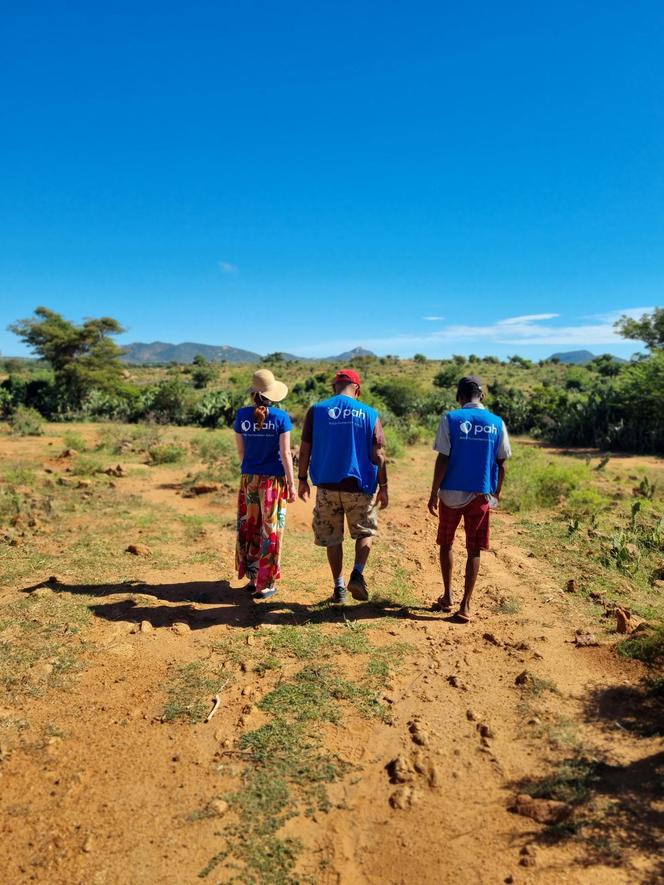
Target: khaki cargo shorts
360 510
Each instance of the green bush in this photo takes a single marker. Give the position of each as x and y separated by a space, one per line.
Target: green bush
585 502
533 481
646 647
394 445
167 453
26 422
74 440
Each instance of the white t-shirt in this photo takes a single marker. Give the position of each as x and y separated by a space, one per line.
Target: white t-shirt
452 497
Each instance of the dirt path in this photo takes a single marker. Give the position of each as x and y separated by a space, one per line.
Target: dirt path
111 794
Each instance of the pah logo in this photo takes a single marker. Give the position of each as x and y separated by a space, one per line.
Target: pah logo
246 426
465 427
336 412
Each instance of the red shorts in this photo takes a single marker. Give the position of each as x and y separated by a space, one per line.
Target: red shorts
475 523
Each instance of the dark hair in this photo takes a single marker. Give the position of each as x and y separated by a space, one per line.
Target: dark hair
261 411
467 389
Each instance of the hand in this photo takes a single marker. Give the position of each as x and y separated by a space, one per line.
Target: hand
433 504
290 493
303 490
383 497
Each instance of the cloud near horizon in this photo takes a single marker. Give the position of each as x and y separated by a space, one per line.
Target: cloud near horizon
227 267
530 329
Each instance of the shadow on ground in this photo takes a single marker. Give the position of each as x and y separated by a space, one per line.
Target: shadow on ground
617 808
225 606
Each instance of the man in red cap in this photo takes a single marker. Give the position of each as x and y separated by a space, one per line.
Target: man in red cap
343 448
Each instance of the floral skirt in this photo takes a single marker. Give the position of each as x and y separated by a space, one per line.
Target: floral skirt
261 517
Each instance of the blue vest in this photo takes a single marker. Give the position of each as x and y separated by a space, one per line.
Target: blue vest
343 430
475 436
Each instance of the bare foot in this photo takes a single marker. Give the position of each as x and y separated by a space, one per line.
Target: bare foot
445 603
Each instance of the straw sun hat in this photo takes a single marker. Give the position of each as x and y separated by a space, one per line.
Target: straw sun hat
267 385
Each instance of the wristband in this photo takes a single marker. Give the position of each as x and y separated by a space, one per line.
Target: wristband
302 478
382 485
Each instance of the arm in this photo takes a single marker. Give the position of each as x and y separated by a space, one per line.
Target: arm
239 444
439 471
501 477
287 461
303 489
378 457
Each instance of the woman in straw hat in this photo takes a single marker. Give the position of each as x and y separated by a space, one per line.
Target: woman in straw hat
262 433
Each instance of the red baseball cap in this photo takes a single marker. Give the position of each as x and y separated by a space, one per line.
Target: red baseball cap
348 375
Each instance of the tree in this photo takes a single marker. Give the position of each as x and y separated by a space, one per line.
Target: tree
83 357
420 358
202 373
649 329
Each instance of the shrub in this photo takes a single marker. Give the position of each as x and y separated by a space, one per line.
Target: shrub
26 422
394 446
167 453
584 502
74 440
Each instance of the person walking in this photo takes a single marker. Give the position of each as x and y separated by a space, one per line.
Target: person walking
343 446
472 445
267 483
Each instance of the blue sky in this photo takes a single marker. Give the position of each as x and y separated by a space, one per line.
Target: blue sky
481 177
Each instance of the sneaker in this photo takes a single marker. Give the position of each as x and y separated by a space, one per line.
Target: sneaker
339 596
358 586
265 593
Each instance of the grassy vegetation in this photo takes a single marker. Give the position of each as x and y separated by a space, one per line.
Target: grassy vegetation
190 691
40 643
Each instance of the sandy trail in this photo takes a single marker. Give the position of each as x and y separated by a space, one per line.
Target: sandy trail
109 802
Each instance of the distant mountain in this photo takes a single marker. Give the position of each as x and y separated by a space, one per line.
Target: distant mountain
349 355
160 352
578 357
140 353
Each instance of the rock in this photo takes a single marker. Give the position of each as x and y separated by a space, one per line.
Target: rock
218 807
83 484
489 637
204 488
524 678
118 470
88 845
418 731
544 811
455 682
633 550
526 861
571 586
400 770
470 716
42 593
146 627
485 731
658 585
404 797
585 640
69 453
138 550
180 628
624 623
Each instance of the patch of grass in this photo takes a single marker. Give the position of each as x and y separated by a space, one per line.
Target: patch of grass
37 647
313 696
537 481
120 439
86 465
74 440
646 647
167 453
508 605
190 693
19 474
572 782
26 422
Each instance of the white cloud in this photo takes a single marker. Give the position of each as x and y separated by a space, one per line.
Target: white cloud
529 318
227 267
531 329
433 319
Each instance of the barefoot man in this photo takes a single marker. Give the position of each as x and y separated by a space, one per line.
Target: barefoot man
342 445
472 445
